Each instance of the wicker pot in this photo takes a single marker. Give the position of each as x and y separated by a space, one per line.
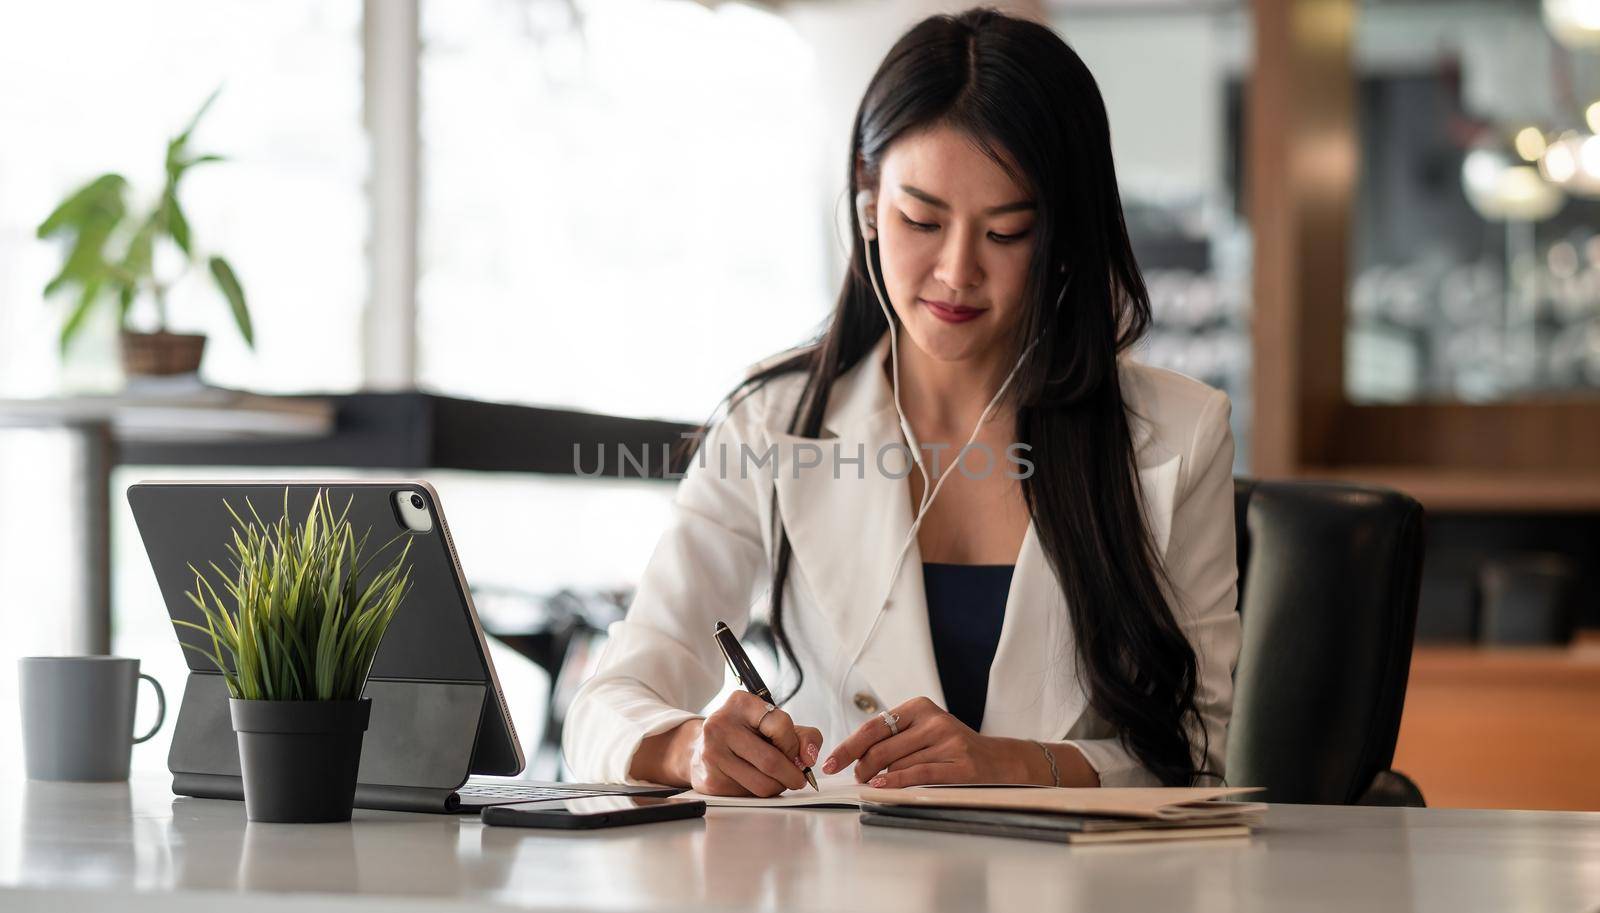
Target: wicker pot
161 354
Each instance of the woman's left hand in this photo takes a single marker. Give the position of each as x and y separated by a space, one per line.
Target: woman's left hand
932 746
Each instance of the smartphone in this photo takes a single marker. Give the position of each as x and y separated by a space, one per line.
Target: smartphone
593 811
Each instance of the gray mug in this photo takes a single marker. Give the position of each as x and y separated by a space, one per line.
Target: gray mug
77 715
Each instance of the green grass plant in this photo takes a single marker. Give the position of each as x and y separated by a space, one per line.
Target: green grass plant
302 617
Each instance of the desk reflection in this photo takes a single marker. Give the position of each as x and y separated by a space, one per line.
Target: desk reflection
751 859
99 836
374 853
58 848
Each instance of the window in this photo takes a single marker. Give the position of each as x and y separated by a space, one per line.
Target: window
620 211
95 87
287 208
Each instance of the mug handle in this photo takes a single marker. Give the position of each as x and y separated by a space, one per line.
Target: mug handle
161 708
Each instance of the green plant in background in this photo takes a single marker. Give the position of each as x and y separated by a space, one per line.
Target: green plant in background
301 627
110 250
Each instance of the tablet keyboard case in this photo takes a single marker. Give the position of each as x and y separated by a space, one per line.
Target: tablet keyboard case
431 723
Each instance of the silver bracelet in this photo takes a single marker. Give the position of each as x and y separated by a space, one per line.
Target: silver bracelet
1055 775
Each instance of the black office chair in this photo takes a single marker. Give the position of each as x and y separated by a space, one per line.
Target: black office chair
1328 582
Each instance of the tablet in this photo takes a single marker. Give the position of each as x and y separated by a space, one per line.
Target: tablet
438 711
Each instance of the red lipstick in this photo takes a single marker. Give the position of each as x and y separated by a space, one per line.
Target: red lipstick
951 313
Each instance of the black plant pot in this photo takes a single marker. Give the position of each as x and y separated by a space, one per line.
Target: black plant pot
299 758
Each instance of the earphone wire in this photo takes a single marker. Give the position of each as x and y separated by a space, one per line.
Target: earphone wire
894 384
929 492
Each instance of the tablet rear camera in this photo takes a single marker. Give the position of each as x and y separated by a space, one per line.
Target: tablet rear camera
411 509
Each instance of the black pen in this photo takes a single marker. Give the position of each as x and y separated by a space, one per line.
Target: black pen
745 672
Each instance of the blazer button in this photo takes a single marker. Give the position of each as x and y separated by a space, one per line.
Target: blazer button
865 703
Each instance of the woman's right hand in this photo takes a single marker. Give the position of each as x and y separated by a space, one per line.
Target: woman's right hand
744 749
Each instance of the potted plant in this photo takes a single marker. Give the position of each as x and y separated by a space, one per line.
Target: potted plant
294 631
111 251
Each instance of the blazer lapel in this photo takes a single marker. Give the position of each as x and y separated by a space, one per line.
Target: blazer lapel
1034 688
847 523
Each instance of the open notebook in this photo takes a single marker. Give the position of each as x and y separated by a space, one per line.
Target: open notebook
833 794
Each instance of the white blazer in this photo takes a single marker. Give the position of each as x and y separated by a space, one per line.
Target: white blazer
661 666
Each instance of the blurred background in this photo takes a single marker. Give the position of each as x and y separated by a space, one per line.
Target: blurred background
1374 224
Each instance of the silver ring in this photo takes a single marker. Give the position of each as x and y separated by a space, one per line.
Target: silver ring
892 721
763 719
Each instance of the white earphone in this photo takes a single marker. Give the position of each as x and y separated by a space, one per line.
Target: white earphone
869 228
930 488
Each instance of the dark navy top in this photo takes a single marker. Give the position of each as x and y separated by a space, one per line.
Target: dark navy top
966 606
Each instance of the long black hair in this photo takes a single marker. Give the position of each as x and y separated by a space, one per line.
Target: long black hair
1026 98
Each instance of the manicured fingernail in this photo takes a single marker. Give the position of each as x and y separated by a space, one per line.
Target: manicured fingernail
811 752
830 766
796 760
878 782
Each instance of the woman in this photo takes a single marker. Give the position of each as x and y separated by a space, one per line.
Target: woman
1065 616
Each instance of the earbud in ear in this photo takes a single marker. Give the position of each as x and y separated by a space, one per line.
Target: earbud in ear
869 225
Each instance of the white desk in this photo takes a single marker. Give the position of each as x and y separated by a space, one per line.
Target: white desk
80 847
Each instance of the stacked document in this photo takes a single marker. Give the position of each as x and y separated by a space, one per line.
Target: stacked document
1105 815
1102 815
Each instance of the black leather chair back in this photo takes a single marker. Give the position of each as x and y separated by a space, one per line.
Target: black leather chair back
1328 582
